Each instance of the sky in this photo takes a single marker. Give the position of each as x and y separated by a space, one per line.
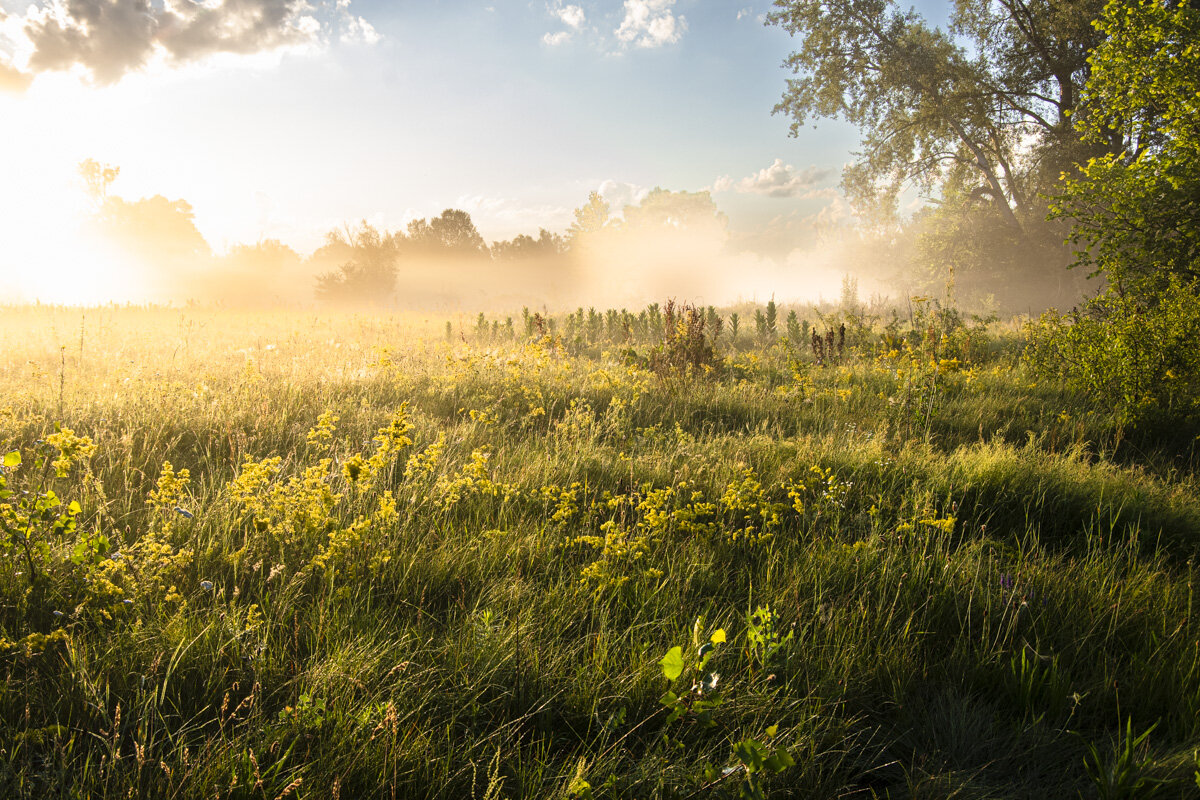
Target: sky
284 119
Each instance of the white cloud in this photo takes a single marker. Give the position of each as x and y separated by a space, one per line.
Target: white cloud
721 184
505 217
572 16
744 12
108 39
619 194
357 29
651 23
780 180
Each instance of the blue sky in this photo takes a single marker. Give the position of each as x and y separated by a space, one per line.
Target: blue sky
387 111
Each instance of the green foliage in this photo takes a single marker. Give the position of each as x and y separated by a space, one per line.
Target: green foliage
686 346
1134 216
1122 774
590 218
1134 211
409 566
35 522
763 641
700 706
953 109
1121 350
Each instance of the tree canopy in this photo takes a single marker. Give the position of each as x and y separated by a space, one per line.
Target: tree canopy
981 112
524 246
1137 211
591 217
368 269
1136 214
450 233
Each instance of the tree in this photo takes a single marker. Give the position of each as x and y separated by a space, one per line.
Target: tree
254 275
1137 212
368 269
590 218
98 177
1137 215
451 233
523 246
981 113
665 209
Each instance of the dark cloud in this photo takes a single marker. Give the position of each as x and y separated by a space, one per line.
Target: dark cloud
110 38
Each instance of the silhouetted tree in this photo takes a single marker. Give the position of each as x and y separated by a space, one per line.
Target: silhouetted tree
368 271
452 233
546 245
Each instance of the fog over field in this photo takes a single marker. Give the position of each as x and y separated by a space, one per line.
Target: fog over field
588 399
206 153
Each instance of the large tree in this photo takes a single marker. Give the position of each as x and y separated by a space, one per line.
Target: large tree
978 114
1137 212
451 233
1137 215
590 218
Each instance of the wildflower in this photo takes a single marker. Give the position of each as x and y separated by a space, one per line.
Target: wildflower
184 512
206 585
58 614
1006 581
127 601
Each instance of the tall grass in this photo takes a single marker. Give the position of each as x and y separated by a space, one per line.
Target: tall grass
462 571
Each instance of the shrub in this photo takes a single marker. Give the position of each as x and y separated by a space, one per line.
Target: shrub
685 344
1141 358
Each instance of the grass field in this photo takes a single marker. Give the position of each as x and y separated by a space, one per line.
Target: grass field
298 555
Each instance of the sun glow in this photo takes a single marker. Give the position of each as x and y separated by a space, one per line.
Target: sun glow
51 250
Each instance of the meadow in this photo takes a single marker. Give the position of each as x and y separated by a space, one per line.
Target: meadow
599 554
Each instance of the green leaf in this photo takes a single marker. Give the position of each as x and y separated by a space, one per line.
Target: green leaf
751 753
779 761
718 637
771 731
672 663
12 459
74 508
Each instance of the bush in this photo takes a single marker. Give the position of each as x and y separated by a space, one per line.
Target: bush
685 345
1138 356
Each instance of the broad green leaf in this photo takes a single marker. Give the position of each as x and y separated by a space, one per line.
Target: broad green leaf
779 761
751 754
718 637
12 459
672 663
